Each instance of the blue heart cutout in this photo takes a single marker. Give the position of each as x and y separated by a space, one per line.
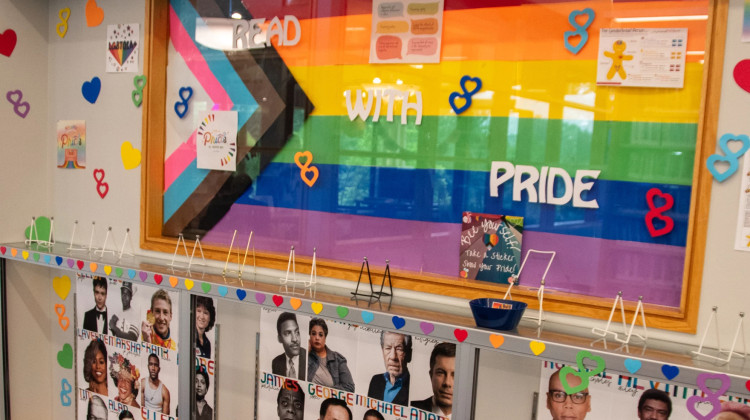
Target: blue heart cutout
184 103
90 90
398 322
580 29
729 156
241 294
670 372
58 260
467 95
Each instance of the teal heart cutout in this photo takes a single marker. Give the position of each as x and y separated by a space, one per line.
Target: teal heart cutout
206 287
47 259
42 231
343 311
367 316
582 372
223 290
65 356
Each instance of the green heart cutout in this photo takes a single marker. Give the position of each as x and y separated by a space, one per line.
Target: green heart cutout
118 271
342 311
206 287
36 257
581 372
65 356
43 228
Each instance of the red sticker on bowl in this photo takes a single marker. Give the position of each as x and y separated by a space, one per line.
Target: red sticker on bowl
500 305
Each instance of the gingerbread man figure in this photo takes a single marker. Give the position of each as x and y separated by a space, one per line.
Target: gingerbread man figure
617 56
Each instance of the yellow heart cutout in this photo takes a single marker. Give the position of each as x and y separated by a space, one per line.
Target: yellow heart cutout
173 281
296 303
496 340
131 157
537 347
189 284
14 252
93 267
107 269
316 307
61 285
25 254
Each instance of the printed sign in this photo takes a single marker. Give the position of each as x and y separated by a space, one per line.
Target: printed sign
490 247
122 47
216 141
406 31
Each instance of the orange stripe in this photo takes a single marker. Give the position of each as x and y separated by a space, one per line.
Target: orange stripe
495 34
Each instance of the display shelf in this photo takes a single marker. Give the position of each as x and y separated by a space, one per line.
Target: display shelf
552 341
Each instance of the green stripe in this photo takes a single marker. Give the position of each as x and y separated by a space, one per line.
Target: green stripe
623 151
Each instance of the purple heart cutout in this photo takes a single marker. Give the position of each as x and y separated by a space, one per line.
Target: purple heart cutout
426 327
143 275
260 298
71 263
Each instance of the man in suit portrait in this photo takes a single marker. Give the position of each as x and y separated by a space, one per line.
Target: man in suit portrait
442 372
393 385
293 362
96 318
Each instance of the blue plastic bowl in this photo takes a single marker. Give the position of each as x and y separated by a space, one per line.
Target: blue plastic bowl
497 314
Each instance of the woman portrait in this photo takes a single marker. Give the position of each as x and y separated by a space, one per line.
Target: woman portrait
125 375
205 317
325 366
95 366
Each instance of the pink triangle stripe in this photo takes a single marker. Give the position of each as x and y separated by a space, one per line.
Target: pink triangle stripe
176 163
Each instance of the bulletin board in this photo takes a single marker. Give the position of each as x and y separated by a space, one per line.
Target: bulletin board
511 121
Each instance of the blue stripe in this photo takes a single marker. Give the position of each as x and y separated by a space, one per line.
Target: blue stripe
182 187
443 195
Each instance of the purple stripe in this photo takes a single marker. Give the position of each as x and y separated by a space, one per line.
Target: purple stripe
651 270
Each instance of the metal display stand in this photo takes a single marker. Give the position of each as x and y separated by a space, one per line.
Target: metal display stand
373 295
715 318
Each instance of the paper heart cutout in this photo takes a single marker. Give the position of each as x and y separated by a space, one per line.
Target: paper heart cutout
241 294
206 287
580 29
537 347
3 249
65 390
711 395
70 263
747 385
62 320
20 107
460 334
94 14
25 254
298 158
47 259
93 267
173 281
426 327
189 284
131 274
143 275
729 156
466 94
59 260
583 373
316 307
13 252
260 297
8 40
79 264
695 399
496 340
42 229
118 271
742 74
296 303
61 286
277 300
367 317
632 365
131 157
107 269
343 311
398 322
35 257
313 178
158 278
670 372
90 90
65 357
223 290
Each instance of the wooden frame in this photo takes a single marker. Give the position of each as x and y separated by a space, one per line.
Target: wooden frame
683 319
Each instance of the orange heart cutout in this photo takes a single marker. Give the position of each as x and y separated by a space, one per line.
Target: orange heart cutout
93 267
173 281
296 303
308 158
94 14
310 182
496 340
14 252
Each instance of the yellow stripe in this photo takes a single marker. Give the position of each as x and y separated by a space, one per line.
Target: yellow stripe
541 89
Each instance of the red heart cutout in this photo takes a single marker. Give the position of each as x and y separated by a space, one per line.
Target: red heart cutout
102 189
8 41
747 385
742 74
3 249
80 265
158 278
657 212
460 334
278 300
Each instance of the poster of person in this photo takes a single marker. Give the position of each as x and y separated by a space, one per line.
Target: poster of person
610 395
349 367
127 358
204 333
490 247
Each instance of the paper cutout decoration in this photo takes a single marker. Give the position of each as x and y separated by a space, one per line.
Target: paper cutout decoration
426 327
496 340
102 188
137 95
158 278
711 397
223 290
206 287
42 229
728 157
61 286
65 390
241 294
65 356
658 212
71 144
259 297
398 322
466 94
62 26
741 74
670 372
580 30
123 41
62 320
632 365
173 281
8 40
583 373
277 300
460 334
316 307
131 157
342 311
181 107
20 107
296 303
367 317
90 90
94 14
309 174
537 347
